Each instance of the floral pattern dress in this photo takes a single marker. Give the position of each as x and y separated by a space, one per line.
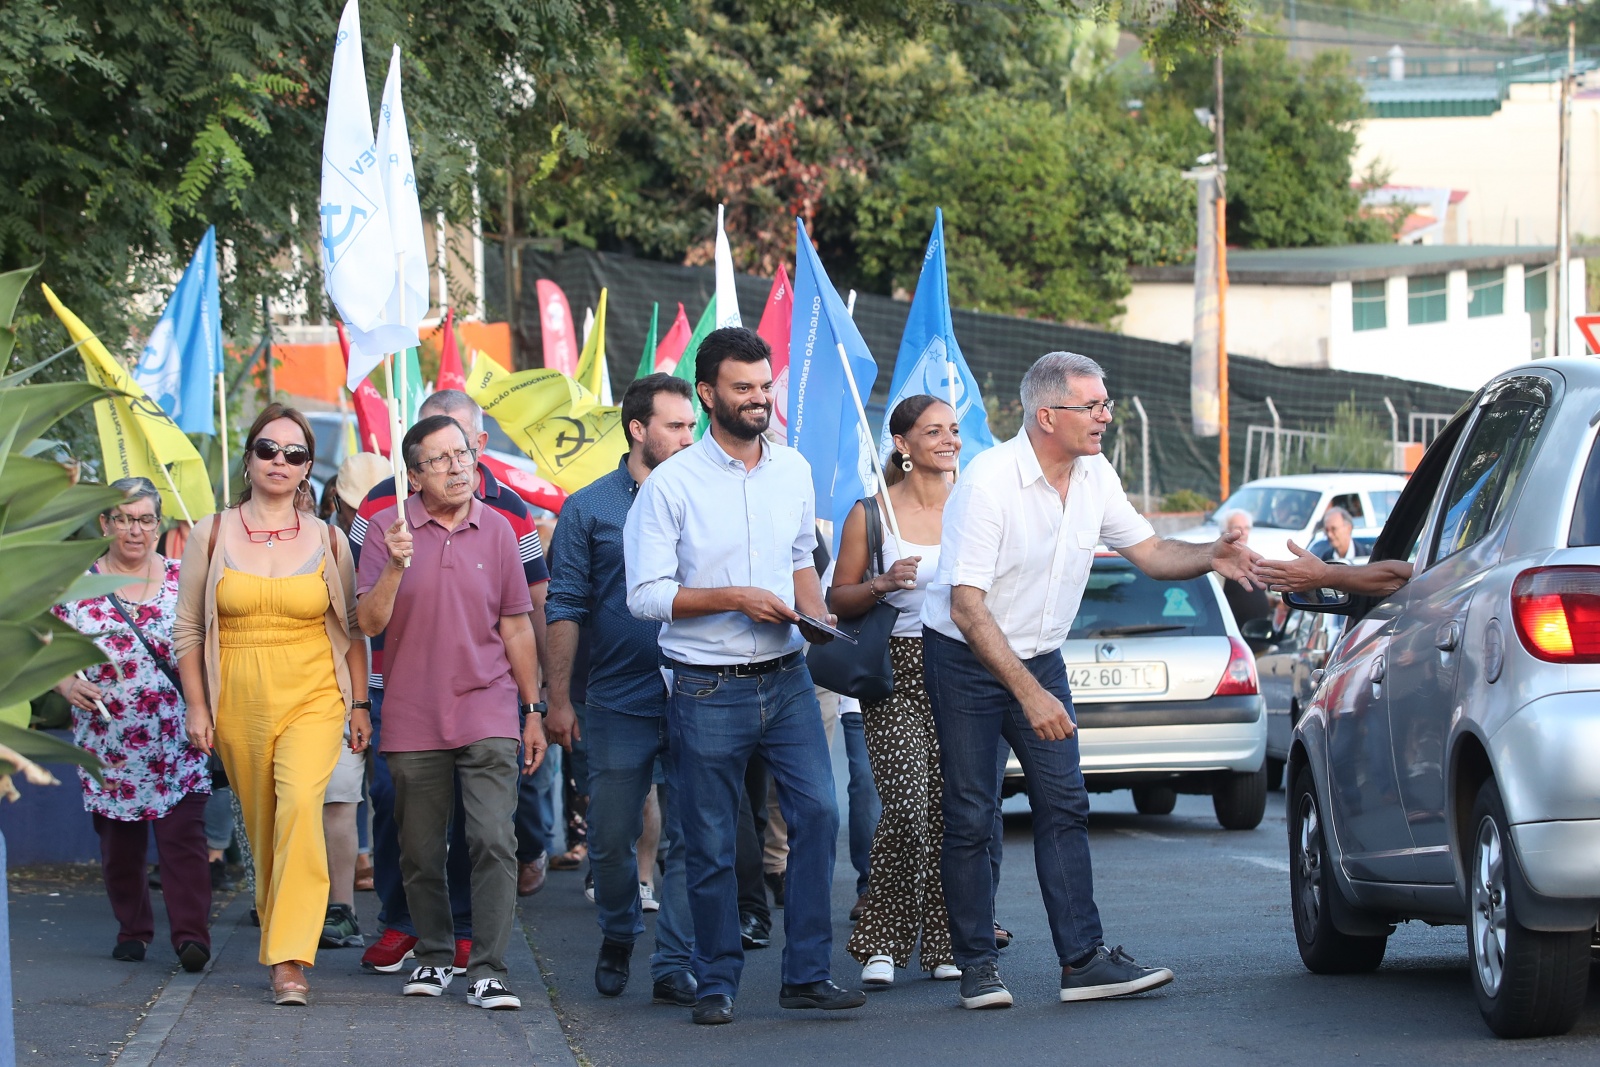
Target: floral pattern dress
149 763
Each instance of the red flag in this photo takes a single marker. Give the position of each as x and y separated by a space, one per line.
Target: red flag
451 376
530 487
670 350
774 329
555 327
372 414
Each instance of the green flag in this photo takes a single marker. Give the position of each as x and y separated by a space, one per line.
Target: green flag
647 360
413 394
685 367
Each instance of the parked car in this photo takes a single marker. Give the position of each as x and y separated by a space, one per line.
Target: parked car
1165 695
1292 506
1291 656
1445 768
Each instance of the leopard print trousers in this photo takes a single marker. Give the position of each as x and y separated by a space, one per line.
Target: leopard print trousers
906 895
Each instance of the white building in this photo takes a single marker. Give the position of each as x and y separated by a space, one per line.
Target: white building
1452 315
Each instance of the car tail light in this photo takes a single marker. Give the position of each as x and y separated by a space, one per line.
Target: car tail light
1557 613
1239 680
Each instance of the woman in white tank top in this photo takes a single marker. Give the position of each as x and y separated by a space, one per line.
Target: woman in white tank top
905 899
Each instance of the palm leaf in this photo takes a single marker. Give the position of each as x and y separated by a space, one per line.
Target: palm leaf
46 748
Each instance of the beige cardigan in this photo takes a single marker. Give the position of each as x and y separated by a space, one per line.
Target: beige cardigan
196 625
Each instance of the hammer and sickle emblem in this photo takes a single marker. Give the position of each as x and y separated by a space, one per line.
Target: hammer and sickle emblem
573 441
330 241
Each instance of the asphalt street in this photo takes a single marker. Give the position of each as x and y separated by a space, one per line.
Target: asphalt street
1174 890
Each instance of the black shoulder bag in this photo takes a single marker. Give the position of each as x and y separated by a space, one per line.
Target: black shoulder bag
161 664
861 670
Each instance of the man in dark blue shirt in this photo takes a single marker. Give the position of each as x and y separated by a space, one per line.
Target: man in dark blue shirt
624 724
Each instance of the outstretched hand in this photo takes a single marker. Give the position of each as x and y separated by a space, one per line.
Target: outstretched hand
1232 559
1296 575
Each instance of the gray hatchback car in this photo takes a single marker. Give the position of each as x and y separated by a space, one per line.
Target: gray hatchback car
1447 766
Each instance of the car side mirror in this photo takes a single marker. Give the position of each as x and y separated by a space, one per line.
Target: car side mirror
1257 629
1324 600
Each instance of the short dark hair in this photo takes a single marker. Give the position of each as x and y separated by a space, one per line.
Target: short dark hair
730 342
411 445
639 402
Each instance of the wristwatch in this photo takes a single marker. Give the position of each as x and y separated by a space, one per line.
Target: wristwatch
524 709
365 705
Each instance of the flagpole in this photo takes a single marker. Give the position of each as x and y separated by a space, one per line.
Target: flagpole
397 426
222 433
177 495
877 465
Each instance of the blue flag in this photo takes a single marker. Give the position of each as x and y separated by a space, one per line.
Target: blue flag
930 360
184 354
828 433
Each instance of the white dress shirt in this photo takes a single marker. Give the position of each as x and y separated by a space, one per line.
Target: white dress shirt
1007 532
702 521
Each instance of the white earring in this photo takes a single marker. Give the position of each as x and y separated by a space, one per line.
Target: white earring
905 464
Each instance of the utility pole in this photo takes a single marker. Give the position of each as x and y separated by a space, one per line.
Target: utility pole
1564 196
508 247
1224 461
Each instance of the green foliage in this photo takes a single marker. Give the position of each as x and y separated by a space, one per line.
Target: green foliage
1045 208
40 508
1549 22
1186 500
1358 439
1290 131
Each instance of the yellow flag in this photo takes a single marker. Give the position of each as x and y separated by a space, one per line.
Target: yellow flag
561 425
137 438
593 374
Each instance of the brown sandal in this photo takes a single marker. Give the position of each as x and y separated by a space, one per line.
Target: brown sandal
289 985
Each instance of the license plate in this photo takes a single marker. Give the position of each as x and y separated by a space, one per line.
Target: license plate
1108 678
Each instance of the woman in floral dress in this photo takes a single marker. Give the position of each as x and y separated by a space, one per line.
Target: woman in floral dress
129 713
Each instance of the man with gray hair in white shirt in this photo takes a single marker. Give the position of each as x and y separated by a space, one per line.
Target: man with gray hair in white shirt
1020 532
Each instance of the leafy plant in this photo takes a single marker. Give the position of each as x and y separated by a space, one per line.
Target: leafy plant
1186 500
1357 440
41 506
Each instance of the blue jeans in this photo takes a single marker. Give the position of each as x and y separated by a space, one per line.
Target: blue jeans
394 913
865 807
972 712
716 724
536 808
622 754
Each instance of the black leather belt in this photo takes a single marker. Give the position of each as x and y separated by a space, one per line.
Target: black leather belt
738 670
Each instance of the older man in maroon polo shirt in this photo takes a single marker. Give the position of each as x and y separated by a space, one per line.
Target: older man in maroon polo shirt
461 651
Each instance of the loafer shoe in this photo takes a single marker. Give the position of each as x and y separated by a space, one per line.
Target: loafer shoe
946 972
878 973
713 1010
193 955
129 951
678 988
753 933
1110 973
530 875
823 994
611 972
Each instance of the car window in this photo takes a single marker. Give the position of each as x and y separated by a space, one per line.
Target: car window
1488 472
1351 502
1586 512
1121 601
1382 503
1275 506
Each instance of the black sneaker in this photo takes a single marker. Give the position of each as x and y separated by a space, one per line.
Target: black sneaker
492 993
1111 973
339 928
427 982
981 987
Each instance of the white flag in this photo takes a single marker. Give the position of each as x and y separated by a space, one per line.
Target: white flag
727 295
357 249
408 304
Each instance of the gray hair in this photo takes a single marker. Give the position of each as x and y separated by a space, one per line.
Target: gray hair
1049 380
134 490
457 405
1337 512
1227 517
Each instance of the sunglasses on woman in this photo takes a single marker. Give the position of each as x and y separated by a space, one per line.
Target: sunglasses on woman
266 451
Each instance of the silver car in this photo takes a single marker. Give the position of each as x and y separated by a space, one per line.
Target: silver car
1165 695
1447 766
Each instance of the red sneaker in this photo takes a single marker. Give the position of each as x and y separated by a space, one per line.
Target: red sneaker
390 952
463 953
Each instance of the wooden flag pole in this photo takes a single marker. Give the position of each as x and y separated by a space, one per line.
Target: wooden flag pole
222 433
183 507
397 427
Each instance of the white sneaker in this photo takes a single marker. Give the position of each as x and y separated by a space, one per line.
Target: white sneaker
647 898
492 993
588 887
878 973
427 982
946 972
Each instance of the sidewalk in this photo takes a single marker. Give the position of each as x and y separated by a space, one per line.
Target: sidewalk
74 1004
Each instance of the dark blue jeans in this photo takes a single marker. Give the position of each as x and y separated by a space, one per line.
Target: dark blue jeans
865 807
972 712
536 808
393 911
622 754
716 723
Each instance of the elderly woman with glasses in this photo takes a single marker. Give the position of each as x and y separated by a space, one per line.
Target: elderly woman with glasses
266 616
128 711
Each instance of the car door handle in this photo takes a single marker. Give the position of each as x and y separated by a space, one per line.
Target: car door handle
1378 668
1448 637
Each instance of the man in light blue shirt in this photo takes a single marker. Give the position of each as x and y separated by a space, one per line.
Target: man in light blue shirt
718 549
